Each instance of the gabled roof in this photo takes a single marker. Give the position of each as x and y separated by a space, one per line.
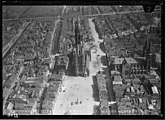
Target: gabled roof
117 78
103 94
102 87
10 106
101 81
130 60
104 102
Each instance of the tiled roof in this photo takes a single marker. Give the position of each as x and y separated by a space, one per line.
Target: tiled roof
119 90
102 87
104 102
101 81
117 78
120 87
103 94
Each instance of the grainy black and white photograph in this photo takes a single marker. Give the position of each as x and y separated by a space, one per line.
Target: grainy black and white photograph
81 60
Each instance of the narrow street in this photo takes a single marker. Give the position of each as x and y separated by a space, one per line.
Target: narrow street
52 36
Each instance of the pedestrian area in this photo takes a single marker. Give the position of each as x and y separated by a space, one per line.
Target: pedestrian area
76 98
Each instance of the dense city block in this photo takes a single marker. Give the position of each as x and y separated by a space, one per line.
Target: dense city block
81 60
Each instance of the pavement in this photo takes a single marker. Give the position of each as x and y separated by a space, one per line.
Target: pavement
77 98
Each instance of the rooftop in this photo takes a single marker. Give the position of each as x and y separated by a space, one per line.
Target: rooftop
117 78
130 60
118 60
